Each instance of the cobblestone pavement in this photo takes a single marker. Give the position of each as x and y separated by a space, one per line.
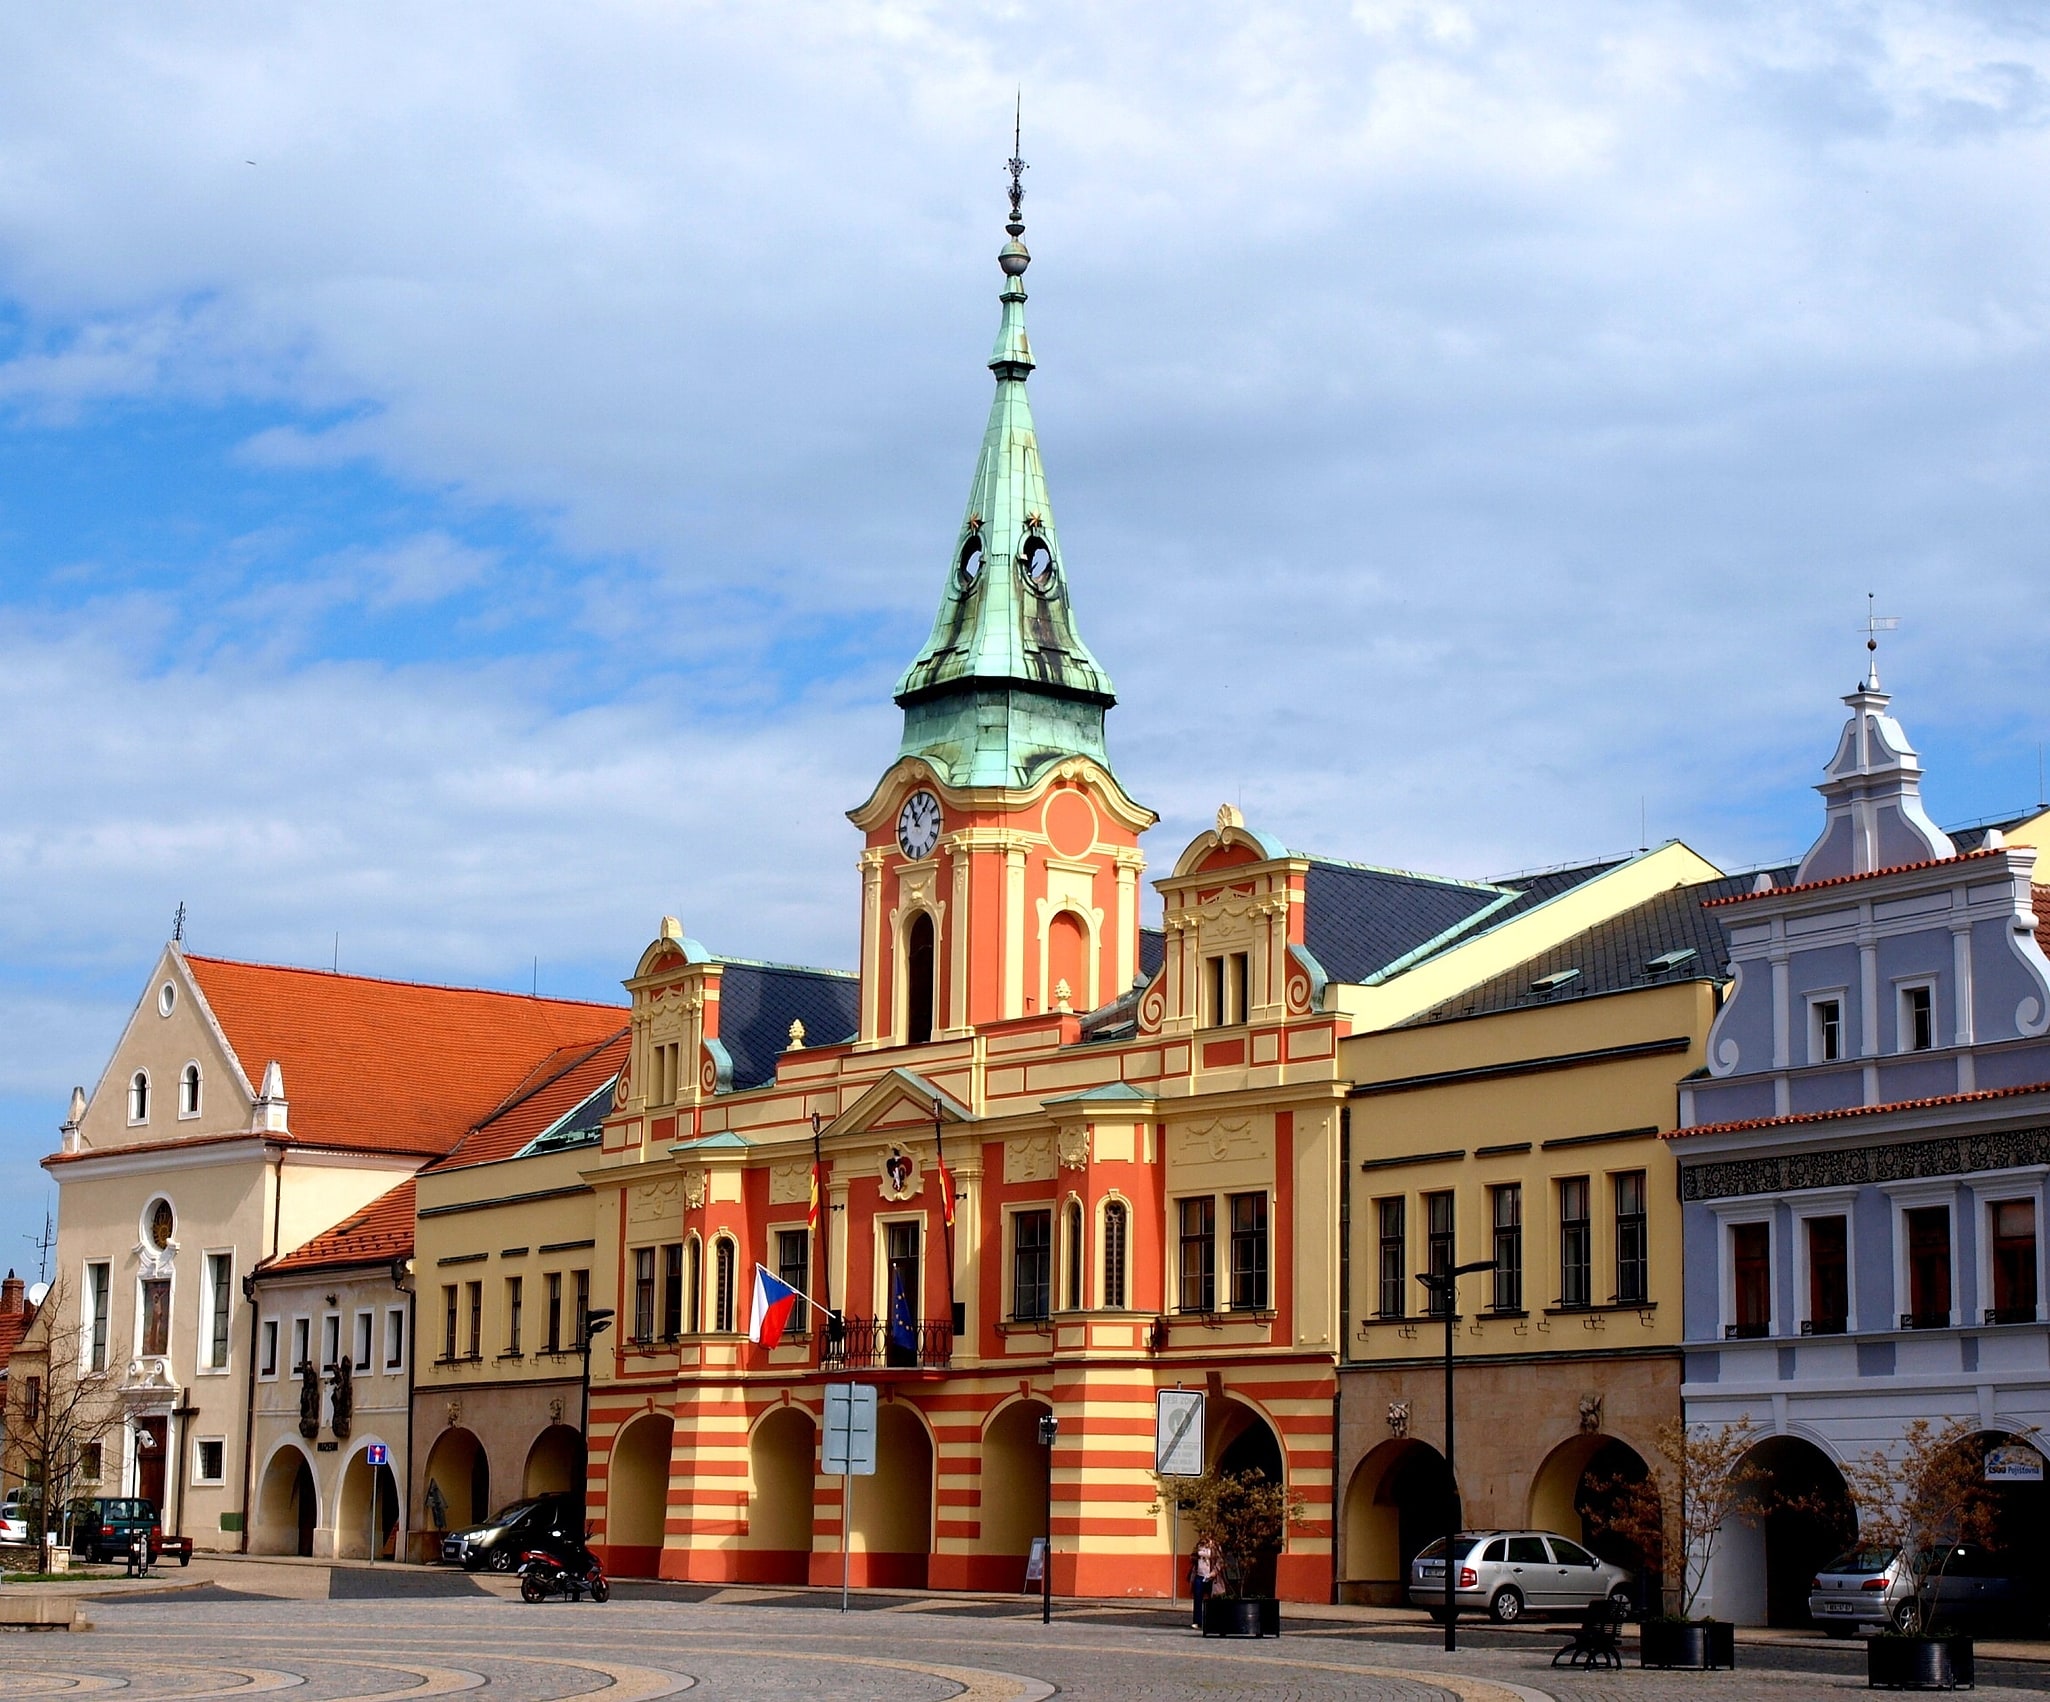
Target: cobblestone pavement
409 1646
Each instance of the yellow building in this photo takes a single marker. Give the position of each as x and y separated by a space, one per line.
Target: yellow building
1520 1121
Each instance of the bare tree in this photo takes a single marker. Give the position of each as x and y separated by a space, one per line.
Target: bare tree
59 1412
1922 1498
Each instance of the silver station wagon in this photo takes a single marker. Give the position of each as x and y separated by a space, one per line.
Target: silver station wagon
1511 1573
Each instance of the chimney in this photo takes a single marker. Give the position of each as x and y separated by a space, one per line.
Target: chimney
10 1295
272 1109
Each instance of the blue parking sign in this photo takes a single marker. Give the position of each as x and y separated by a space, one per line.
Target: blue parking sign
377 1454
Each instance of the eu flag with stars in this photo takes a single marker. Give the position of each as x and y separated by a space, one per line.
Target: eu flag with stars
902 1333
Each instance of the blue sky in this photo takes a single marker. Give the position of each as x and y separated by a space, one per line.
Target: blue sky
469 477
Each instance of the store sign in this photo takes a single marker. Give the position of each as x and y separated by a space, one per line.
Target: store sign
2014 1462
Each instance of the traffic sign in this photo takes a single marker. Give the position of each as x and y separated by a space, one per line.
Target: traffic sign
1178 1433
850 1440
377 1454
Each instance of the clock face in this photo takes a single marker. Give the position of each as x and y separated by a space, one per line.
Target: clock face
918 825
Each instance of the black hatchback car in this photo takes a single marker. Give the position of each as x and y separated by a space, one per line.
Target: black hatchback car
102 1526
497 1542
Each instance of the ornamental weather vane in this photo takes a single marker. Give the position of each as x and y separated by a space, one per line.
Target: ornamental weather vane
1016 167
1874 625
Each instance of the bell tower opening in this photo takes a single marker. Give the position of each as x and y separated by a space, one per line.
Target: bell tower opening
919 981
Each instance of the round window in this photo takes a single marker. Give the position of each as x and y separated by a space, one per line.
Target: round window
161 1224
971 560
1035 561
167 999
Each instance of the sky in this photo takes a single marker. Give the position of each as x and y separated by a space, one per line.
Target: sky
470 475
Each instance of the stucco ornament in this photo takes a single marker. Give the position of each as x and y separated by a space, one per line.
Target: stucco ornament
1398 1418
899 1174
309 1399
342 1407
1073 1145
694 1189
1590 1414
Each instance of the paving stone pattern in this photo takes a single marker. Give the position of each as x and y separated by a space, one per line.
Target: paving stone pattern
390 1641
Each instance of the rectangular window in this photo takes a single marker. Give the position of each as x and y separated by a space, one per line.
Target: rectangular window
1438 1246
1214 975
1825 1031
1394 1262
2011 1226
1918 1018
672 1290
1240 980
448 1307
1829 1276
302 1344
98 1287
1249 1252
156 1315
32 1400
1031 1264
269 1350
644 1294
395 1338
1576 1244
515 1304
1928 1230
220 1279
580 1285
330 1341
366 1327
89 1462
1507 1210
208 1458
475 1298
793 1270
554 1322
1751 1279
1199 1254
1633 1255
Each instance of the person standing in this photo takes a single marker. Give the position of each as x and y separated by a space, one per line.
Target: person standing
1202 1574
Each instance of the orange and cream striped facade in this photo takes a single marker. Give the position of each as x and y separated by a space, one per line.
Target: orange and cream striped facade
1141 1209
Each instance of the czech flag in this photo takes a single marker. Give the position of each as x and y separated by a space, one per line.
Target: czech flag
769 1317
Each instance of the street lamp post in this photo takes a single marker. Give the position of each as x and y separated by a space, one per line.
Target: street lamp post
1049 1428
597 1320
1445 1285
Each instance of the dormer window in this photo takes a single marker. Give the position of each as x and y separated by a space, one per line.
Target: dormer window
1918 1017
1546 985
138 1097
1825 1030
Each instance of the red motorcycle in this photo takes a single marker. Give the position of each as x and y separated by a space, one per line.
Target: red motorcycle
549 1572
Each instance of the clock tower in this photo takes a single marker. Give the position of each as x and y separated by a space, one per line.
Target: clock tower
1000 877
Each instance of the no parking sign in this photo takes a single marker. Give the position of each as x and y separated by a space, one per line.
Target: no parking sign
377 1454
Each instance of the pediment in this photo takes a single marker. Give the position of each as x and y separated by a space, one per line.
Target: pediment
901 1100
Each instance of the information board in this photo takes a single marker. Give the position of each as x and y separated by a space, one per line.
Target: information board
1178 1433
850 1439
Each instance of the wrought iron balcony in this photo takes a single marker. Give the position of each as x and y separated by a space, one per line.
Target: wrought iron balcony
859 1344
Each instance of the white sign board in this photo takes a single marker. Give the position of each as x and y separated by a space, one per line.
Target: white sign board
850 1440
2016 1462
1178 1433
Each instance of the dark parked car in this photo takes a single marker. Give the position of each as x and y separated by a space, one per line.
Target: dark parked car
496 1543
103 1525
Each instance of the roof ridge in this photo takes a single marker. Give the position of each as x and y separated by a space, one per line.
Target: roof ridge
1389 869
788 968
395 981
522 1091
1840 1113
1861 875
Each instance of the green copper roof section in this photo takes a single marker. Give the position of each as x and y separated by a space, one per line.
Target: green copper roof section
1005 685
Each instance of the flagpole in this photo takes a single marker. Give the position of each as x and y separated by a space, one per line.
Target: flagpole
820 1226
939 1148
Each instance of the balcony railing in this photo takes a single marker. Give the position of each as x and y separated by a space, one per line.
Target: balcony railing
1825 1326
862 1343
2010 1314
1746 1332
1925 1320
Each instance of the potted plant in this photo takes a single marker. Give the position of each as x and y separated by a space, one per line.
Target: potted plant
1245 1516
1922 1499
1701 1478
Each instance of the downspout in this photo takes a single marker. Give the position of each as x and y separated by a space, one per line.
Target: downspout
1344 1338
404 1540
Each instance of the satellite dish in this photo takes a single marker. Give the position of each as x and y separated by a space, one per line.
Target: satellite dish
36 1292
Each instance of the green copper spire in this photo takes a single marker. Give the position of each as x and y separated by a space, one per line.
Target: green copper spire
1005 684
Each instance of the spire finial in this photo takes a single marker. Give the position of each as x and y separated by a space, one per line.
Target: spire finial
1874 625
1016 166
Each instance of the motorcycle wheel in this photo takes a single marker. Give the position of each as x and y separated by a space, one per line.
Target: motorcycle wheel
531 1588
600 1590
501 1559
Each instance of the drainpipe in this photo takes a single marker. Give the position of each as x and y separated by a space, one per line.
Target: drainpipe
400 1276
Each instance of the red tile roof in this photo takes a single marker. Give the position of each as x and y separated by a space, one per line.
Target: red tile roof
380 1232
1845 880
390 1066
557 1087
13 1326
1840 1115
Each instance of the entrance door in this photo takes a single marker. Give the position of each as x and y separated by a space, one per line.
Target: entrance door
902 1302
305 1505
151 1435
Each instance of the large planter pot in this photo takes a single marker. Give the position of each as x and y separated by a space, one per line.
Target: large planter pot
1241 1616
1699 1644
1918 1663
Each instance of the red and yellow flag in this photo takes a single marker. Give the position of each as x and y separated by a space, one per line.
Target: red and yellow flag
811 1215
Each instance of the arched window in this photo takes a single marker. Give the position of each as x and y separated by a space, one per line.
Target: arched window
1114 1254
1035 561
918 980
722 1279
694 1318
188 1092
138 1097
971 560
1074 1260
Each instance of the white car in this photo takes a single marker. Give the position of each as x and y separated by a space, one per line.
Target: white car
14 1520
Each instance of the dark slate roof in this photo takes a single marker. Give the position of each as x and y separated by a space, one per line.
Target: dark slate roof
1152 951
1534 889
1358 919
1973 837
759 1001
1614 956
